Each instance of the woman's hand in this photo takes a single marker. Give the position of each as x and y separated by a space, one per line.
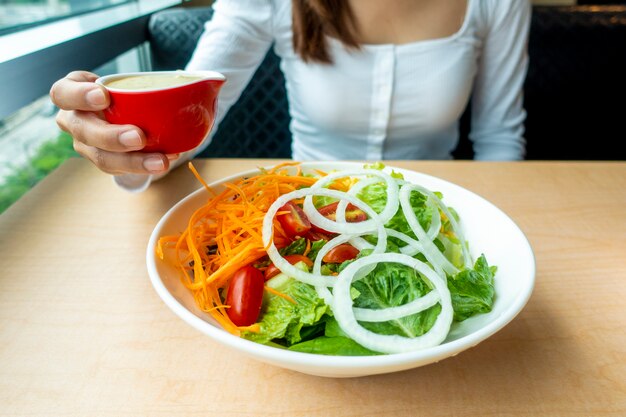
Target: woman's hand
112 148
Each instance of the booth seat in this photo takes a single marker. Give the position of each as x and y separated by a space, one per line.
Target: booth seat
574 94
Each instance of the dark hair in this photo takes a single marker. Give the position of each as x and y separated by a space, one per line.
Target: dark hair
314 20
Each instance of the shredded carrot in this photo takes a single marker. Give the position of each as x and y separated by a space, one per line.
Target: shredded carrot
280 167
254 328
280 294
199 177
307 249
225 234
163 242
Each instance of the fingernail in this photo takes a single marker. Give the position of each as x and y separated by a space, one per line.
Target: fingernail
131 139
154 164
173 156
96 97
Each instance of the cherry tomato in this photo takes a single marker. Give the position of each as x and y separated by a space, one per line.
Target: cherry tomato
317 233
245 294
282 241
272 270
341 253
294 221
353 214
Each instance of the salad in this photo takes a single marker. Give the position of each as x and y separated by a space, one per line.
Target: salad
357 262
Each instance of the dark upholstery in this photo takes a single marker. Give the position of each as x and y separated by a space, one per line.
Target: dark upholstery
257 125
575 92
174 34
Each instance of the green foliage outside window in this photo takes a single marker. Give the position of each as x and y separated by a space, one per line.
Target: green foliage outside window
47 158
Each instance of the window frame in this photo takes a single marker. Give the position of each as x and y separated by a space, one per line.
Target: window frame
33 59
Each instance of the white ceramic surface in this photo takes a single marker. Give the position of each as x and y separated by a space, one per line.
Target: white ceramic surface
487 229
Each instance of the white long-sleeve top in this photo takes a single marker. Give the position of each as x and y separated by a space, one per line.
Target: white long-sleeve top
383 101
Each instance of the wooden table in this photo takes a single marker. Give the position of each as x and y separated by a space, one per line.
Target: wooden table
82 333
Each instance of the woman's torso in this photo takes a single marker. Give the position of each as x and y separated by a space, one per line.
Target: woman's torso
382 101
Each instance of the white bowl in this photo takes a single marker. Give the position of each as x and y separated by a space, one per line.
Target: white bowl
487 229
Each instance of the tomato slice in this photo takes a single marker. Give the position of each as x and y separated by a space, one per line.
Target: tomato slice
282 241
317 233
353 215
341 253
245 294
273 270
293 220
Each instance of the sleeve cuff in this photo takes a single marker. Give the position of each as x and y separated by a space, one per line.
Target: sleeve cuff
137 183
133 183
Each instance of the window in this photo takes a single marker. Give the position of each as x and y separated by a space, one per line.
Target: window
40 41
31 143
18 15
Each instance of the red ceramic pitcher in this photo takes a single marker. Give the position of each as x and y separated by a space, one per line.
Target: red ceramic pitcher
175 116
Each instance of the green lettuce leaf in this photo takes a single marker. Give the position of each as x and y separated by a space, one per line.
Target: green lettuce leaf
451 249
380 166
473 290
298 246
375 196
391 285
315 248
339 345
284 321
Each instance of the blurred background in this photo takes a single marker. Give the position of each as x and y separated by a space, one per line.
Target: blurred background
41 40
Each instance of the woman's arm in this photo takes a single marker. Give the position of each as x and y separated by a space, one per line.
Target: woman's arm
234 42
498 115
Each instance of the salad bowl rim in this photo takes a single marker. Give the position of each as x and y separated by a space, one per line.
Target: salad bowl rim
293 359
